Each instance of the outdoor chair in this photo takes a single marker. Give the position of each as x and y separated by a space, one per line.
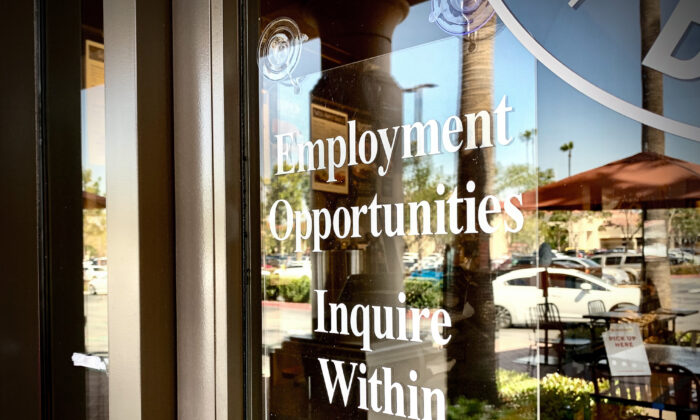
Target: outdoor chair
534 342
548 319
624 307
670 387
690 338
596 307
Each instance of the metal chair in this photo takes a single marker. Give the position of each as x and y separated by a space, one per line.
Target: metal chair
596 307
534 342
680 385
670 387
548 319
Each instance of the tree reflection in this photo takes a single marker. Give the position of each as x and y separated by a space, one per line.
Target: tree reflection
469 293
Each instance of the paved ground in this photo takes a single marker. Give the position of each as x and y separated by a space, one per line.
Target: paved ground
686 295
96 323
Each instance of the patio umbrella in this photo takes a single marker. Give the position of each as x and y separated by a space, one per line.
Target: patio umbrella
644 181
93 201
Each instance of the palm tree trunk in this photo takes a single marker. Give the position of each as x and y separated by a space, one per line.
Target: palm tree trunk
656 288
473 337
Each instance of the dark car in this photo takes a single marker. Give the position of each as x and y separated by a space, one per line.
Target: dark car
575 253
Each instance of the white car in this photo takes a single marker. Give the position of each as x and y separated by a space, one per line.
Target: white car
98 280
293 270
616 275
516 292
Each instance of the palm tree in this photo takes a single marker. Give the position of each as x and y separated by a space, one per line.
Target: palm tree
527 137
469 290
568 147
656 289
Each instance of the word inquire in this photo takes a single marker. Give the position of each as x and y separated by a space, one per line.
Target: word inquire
367 321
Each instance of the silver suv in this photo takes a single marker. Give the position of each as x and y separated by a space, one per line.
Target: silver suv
631 263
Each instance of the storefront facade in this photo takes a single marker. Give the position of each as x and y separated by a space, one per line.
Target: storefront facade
369 209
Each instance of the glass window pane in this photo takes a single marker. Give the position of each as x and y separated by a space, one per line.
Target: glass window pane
411 178
377 158
613 260
95 278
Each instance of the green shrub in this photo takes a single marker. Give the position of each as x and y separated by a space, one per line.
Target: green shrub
685 268
517 389
422 293
297 290
470 409
563 397
271 292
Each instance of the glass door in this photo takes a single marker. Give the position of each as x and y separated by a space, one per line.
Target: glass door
393 158
465 207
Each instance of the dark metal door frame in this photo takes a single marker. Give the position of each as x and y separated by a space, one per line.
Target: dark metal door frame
41 251
41 304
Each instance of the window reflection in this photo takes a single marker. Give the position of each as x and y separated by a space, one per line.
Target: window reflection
94 212
621 230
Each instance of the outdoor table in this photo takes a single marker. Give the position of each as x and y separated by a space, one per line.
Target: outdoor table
676 312
630 316
644 392
661 314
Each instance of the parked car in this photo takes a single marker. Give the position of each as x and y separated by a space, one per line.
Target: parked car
630 263
571 290
680 256
97 283
575 253
616 276
583 264
274 261
93 271
433 274
292 271
515 262
520 262
612 275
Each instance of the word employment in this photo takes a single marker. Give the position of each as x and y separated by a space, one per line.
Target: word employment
365 150
367 322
